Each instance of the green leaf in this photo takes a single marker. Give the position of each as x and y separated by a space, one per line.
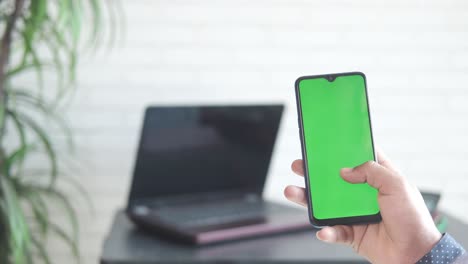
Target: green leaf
117 21
66 179
39 210
74 183
22 67
18 232
2 117
75 21
62 199
63 8
55 40
55 25
67 239
38 9
39 245
16 156
58 37
27 97
96 22
44 138
55 50
30 52
22 137
69 210
36 102
39 193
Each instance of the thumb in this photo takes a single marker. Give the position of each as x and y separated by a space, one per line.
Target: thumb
336 234
375 175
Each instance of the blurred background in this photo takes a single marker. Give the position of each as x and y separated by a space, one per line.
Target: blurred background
414 53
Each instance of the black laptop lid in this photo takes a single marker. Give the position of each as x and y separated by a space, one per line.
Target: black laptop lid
199 149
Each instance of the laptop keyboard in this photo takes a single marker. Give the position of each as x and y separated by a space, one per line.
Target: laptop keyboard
211 213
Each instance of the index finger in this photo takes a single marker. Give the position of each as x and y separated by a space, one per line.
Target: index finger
298 167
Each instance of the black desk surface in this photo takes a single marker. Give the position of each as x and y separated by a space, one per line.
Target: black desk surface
126 244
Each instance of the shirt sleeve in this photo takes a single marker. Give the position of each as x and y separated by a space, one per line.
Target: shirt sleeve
446 251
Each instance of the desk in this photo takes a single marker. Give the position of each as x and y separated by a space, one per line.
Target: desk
126 244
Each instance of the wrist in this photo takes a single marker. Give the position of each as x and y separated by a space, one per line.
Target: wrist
447 250
426 244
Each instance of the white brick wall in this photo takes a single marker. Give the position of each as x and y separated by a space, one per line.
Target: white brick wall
414 52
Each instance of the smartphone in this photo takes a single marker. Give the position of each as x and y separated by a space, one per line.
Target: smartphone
335 132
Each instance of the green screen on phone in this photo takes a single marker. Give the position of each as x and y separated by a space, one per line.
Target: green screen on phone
336 134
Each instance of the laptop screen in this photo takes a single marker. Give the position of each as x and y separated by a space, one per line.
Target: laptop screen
188 150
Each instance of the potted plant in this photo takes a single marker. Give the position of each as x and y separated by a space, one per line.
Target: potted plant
39 37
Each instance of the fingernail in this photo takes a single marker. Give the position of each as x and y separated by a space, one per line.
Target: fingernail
319 236
325 235
346 170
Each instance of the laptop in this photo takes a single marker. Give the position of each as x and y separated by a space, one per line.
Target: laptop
200 172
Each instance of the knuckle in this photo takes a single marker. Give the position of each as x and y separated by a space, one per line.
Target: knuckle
399 182
369 166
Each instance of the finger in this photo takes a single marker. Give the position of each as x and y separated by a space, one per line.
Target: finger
375 175
383 160
336 234
298 167
296 194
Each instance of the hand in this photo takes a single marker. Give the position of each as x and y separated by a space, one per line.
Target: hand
406 232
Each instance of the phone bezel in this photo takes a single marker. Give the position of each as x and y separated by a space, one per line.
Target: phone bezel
342 220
